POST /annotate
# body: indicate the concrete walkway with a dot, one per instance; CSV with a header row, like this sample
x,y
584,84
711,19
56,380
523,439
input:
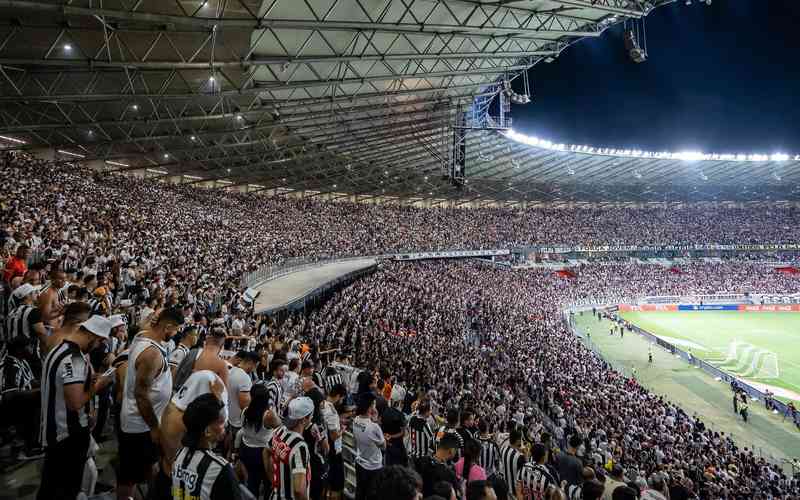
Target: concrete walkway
x,y
282,291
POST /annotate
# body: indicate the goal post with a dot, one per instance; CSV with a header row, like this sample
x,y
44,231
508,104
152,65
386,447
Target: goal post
x,y
765,365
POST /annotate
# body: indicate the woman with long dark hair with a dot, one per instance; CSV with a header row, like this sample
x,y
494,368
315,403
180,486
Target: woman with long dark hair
x,y
467,468
254,436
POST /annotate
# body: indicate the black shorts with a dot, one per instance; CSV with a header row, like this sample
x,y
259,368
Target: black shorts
x,y
335,477
137,455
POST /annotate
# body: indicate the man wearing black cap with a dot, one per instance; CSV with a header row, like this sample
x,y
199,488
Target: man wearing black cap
x,y
198,472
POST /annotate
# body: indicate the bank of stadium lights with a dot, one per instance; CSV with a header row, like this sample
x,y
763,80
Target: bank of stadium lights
x,y
635,153
117,163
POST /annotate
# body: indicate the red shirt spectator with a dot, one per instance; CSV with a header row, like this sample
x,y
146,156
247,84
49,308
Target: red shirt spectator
x,y
17,265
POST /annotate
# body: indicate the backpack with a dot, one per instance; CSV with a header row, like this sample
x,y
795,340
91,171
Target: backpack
x,y
185,369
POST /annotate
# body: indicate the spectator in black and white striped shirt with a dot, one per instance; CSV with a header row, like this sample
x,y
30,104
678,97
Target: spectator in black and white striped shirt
x,y
534,478
490,452
26,319
422,438
512,460
68,385
290,457
198,472
20,401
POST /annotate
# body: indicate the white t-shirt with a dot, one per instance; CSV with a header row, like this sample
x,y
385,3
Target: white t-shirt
x,y
238,381
369,442
196,385
289,383
332,423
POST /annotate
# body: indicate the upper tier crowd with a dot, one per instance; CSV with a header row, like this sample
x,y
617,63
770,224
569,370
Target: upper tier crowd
x,y
122,311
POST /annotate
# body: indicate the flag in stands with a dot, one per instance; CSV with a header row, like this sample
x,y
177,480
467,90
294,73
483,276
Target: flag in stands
x,y
675,270
788,270
566,273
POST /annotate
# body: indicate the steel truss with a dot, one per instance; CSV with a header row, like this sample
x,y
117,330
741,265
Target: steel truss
x,y
254,92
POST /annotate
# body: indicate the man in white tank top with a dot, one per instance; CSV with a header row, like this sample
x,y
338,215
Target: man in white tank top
x,y
148,388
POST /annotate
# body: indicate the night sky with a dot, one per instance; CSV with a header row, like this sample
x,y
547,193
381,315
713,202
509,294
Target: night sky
x,y
720,78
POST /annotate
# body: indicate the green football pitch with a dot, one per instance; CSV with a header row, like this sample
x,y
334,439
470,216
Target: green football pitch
x,y
760,347
767,434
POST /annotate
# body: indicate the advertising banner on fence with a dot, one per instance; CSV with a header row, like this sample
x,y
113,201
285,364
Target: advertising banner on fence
x,y
662,248
450,254
710,307
648,307
771,308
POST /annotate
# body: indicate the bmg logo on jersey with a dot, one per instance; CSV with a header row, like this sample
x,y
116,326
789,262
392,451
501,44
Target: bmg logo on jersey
x,y
187,477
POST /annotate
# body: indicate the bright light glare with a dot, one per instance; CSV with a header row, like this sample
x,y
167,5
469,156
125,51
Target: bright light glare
x,y
6,138
67,47
71,154
635,153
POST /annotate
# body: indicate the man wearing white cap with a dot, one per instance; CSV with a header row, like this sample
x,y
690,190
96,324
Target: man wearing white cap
x,y
25,320
289,456
68,385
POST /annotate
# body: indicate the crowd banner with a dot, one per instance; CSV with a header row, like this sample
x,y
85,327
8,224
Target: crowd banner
x,y
785,298
451,254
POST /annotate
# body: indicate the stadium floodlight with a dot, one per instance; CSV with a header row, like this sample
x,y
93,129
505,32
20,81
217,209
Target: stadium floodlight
x,y
636,153
67,47
70,153
117,164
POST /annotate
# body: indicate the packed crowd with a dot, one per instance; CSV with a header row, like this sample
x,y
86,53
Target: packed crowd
x,y
72,209
122,314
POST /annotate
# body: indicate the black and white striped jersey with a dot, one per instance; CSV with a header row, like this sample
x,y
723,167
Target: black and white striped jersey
x,y
453,431
511,461
490,455
534,480
203,475
61,295
275,392
21,320
290,456
422,437
332,377
65,365
15,375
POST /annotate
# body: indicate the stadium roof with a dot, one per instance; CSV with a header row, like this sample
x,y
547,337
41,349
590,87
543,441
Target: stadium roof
x,y
311,96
